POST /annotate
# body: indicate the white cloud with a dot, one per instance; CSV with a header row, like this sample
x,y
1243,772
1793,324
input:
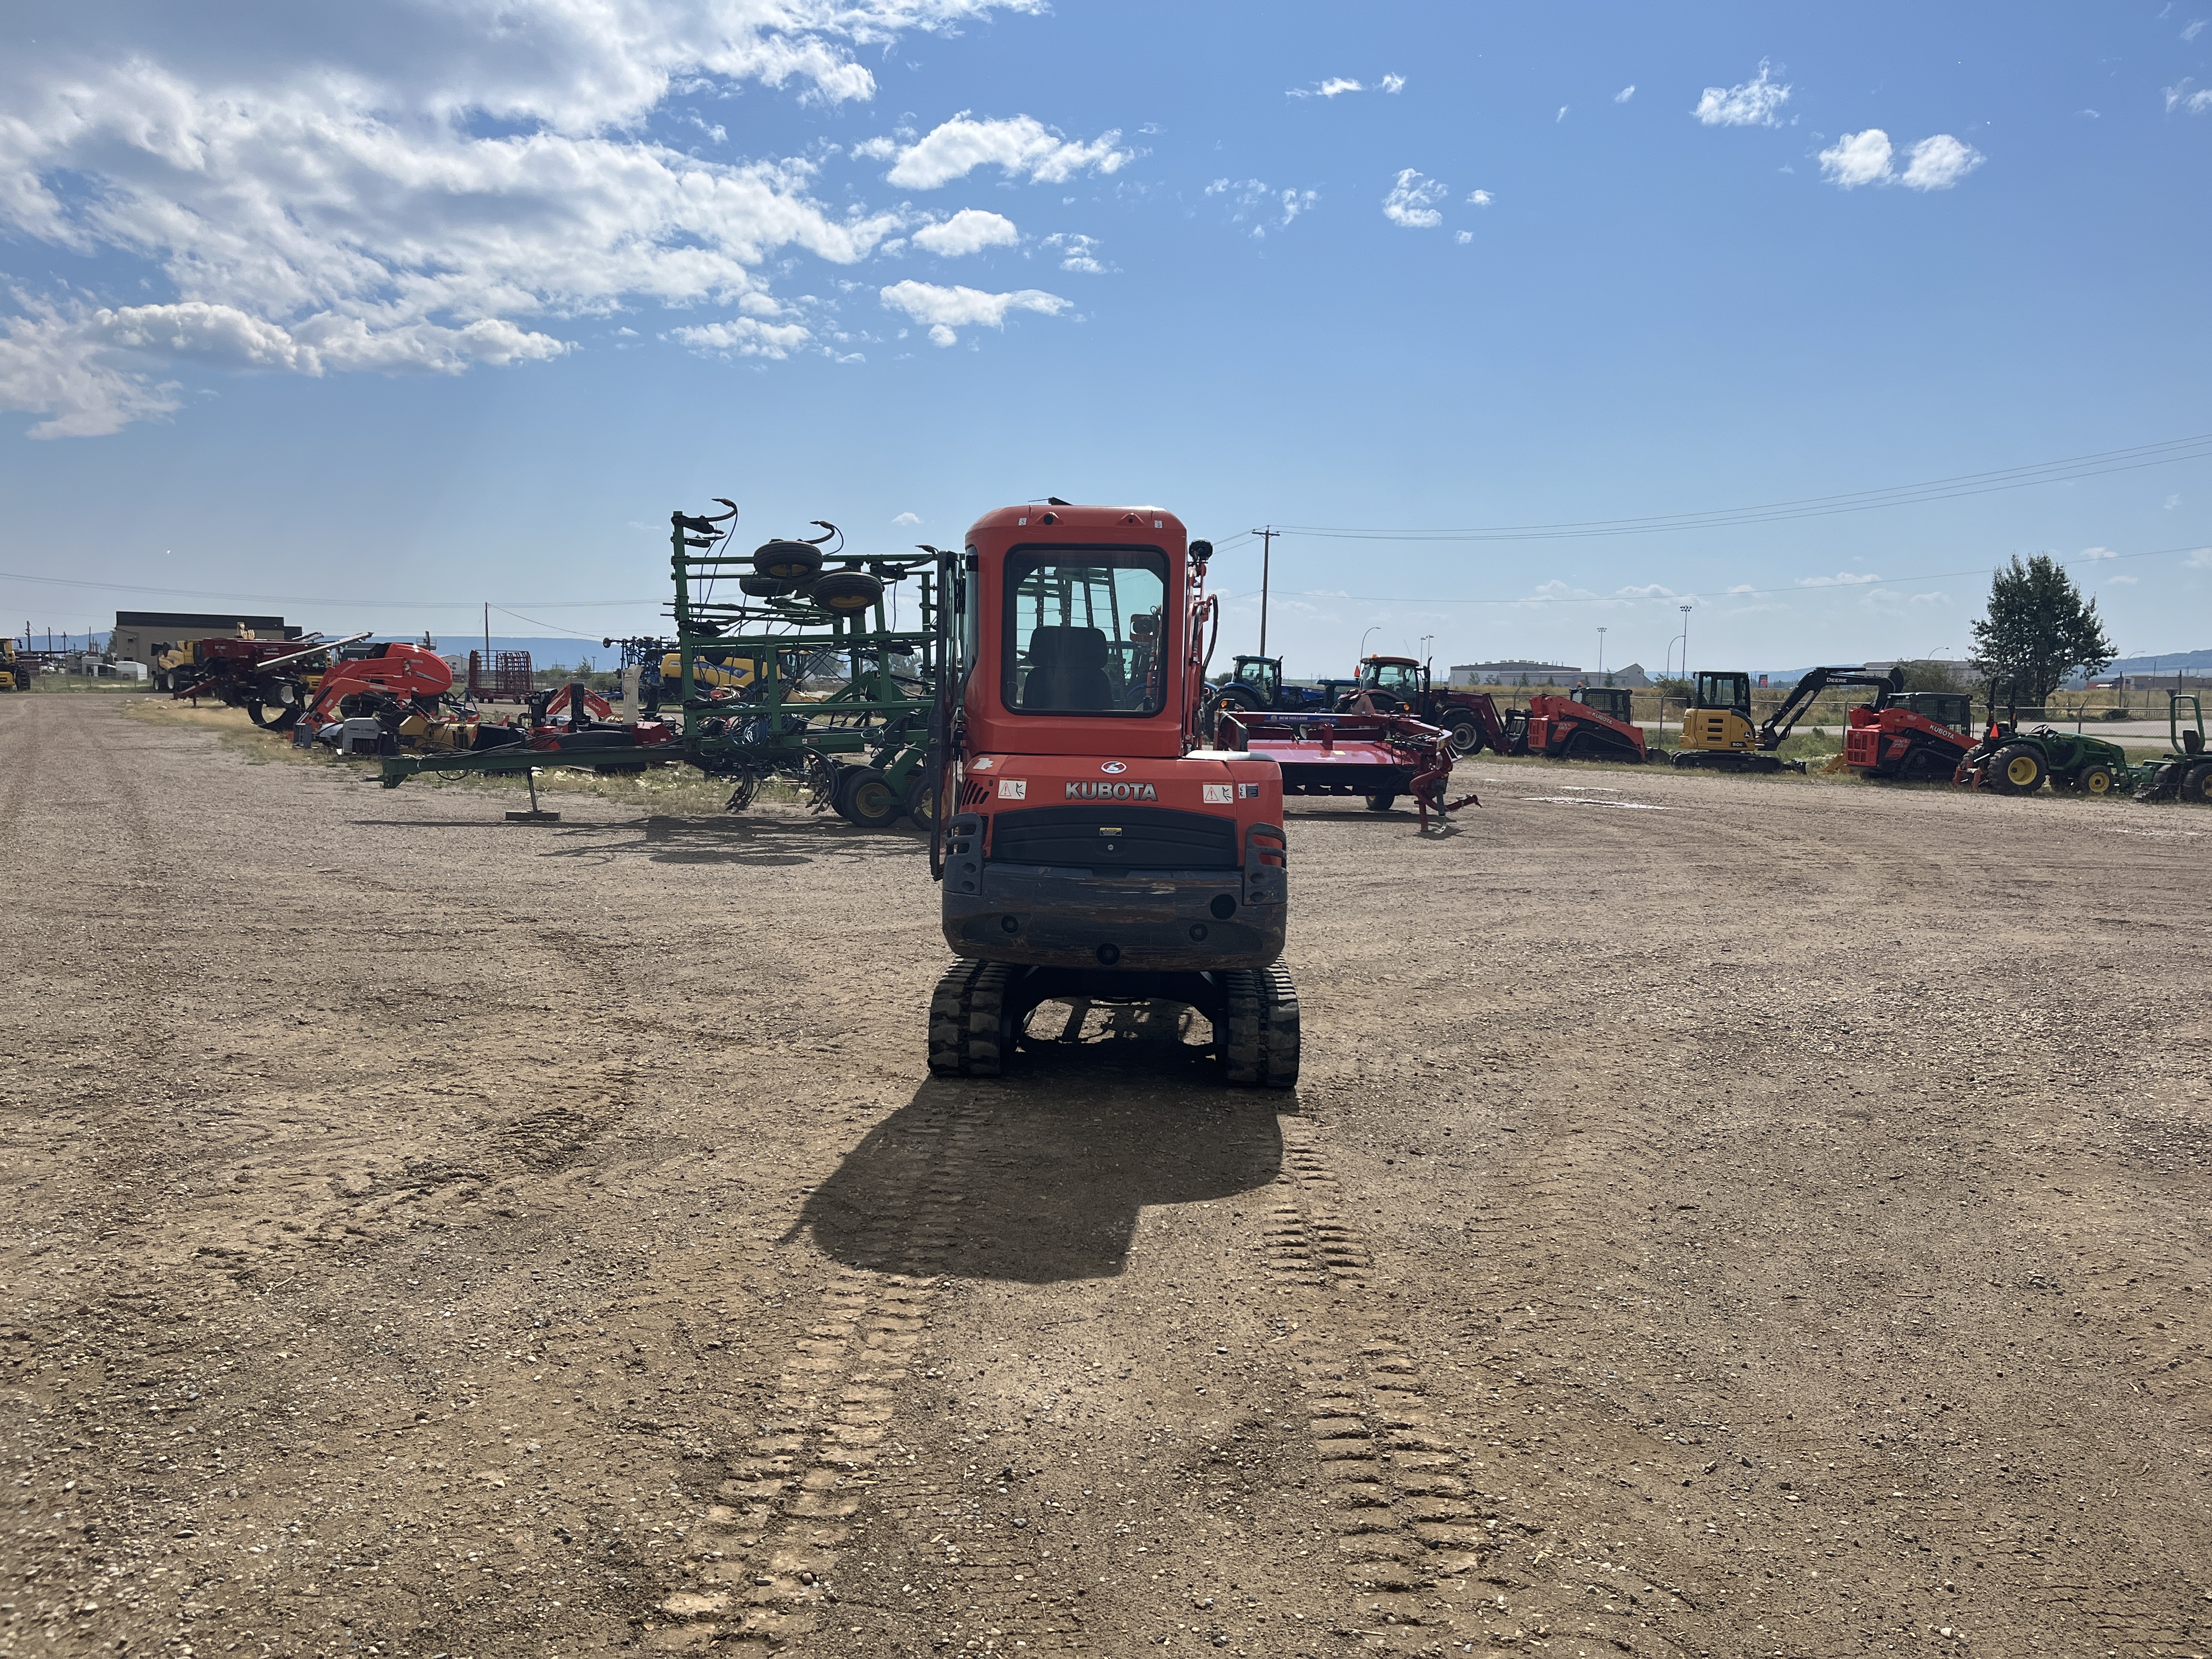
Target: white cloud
x,y
1743,587
2095,553
1395,83
1253,199
1076,253
2171,502
1413,202
969,231
405,189
1857,158
1625,93
1020,145
1562,115
1841,579
2122,582
1338,87
1940,162
745,337
1650,591
946,309
907,518
1756,103
1481,199
1463,237
2193,103
1864,158
2193,30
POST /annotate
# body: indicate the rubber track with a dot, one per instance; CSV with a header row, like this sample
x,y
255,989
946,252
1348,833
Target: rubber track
x,y
964,1019
1263,1028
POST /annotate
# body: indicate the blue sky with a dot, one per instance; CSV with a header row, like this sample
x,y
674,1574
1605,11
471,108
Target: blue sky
x,y
399,308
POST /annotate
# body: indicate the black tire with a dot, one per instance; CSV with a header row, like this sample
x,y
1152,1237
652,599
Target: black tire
x,y
971,1032
788,562
1466,737
921,798
1381,803
867,800
2197,784
846,592
286,717
758,587
2017,769
2096,779
1258,1039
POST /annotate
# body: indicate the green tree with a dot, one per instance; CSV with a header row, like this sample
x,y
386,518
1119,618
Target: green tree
x,y
2039,631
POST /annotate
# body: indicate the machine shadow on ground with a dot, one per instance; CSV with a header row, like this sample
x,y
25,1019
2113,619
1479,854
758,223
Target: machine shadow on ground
x,y
666,839
1040,1176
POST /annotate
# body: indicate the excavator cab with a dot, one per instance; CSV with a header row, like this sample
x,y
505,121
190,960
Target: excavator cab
x,y
1717,727
1091,850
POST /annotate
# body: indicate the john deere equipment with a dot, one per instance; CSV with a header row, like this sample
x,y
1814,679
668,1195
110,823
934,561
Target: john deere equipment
x,y
2016,762
2184,771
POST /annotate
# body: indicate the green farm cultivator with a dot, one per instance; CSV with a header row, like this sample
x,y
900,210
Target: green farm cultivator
x,y
795,661
2184,771
799,662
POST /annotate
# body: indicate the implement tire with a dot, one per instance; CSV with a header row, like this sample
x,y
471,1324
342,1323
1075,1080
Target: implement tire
x,y
1259,1038
1381,803
2197,784
970,1032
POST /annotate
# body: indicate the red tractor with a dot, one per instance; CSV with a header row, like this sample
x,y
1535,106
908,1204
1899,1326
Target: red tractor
x,y
1593,723
1088,849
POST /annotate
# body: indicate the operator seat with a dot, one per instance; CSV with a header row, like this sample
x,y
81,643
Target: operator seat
x,y
1067,669
2192,741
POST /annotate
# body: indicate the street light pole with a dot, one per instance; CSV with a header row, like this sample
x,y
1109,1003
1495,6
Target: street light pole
x,y
1266,558
1363,649
1601,649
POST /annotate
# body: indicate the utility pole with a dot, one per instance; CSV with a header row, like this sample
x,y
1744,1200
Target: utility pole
x,y
1267,557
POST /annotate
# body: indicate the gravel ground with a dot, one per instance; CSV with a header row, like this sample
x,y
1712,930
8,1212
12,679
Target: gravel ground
x,y
1721,1216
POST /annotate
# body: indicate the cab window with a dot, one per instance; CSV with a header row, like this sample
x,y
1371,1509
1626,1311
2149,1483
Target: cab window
x,y
1085,631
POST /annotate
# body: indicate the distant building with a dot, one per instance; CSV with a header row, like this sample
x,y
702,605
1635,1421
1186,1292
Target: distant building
x,y
1513,673
142,636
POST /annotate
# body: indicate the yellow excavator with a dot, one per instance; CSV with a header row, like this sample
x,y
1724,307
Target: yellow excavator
x,y
16,674
1718,732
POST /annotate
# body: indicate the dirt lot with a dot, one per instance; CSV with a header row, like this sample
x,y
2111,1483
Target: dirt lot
x,y
1721,1217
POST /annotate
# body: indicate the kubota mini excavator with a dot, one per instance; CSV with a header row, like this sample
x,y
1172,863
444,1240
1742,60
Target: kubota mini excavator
x,y
1087,846
1716,728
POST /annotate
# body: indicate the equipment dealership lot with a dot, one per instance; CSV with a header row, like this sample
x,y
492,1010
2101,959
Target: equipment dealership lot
x,y
1772,1221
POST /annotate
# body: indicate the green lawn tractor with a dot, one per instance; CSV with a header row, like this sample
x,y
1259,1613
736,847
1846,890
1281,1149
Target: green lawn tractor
x,y
2184,771
2016,762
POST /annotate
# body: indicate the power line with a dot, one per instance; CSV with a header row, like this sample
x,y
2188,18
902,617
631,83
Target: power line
x,y
2166,453
1669,597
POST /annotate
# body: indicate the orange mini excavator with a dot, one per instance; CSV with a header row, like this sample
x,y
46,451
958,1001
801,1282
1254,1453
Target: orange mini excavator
x,y
1090,848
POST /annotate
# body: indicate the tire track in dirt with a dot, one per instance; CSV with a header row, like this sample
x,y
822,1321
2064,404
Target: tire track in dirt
x,y
763,1564
1408,1516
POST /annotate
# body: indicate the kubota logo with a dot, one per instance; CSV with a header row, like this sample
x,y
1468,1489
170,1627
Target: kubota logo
x,y
1114,766
1111,791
